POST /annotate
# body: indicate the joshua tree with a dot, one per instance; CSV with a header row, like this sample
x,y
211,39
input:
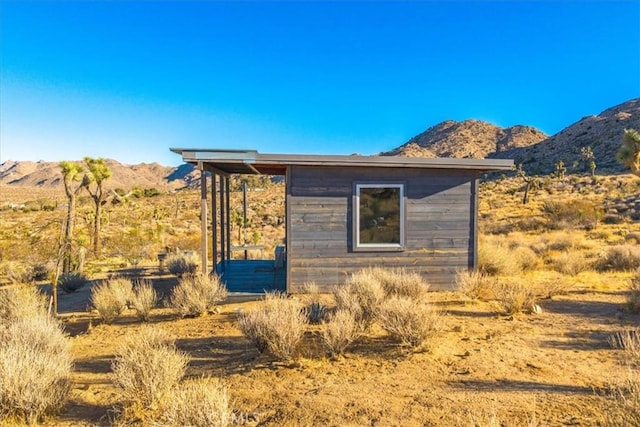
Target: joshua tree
x,y
98,172
530,182
629,153
587,157
71,173
560,170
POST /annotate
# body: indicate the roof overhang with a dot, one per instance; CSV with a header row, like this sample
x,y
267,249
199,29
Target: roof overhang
x,y
252,162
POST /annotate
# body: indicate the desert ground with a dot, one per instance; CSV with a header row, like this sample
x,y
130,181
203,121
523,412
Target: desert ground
x,y
577,248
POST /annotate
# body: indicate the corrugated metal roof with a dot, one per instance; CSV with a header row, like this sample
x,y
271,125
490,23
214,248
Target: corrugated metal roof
x,y
252,162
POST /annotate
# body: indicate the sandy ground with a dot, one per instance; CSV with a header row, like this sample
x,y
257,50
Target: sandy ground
x,y
554,368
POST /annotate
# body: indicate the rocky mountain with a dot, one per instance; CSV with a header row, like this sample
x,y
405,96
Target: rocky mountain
x,y
143,175
537,152
467,139
602,132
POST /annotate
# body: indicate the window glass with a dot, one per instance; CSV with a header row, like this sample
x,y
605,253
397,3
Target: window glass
x,y
380,215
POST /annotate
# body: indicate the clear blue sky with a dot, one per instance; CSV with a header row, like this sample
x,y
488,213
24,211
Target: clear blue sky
x,y
127,80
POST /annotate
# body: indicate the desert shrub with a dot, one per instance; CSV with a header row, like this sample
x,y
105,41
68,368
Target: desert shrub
x,y
35,369
41,271
496,259
19,302
410,321
362,294
399,282
629,341
474,284
143,299
198,403
575,212
316,311
276,325
198,294
632,238
147,367
633,297
16,272
515,297
570,263
621,258
71,282
526,258
181,264
111,298
623,408
340,331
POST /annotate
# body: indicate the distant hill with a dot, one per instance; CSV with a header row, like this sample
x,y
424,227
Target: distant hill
x,y
526,145
467,139
143,175
603,133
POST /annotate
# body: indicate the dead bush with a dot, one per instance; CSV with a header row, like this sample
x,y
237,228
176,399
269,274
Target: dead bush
x,y
475,284
19,302
570,263
621,258
110,298
35,369
497,259
198,403
276,325
411,321
633,297
361,294
16,272
143,299
526,258
147,367
399,282
573,213
197,294
340,331
181,264
514,297
629,341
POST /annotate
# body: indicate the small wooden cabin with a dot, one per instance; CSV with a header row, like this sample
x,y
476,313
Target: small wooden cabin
x,y
344,213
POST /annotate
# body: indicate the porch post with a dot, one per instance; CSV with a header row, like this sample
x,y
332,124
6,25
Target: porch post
x,y
228,203
214,223
203,217
223,240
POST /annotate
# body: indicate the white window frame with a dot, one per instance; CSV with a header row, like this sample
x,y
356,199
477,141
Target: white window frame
x,y
362,247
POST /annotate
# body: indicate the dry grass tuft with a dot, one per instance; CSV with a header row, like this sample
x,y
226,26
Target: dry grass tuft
x,y
629,341
475,284
143,299
341,330
570,263
198,294
35,369
362,294
411,321
621,258
21,301
198,403
110,298
147,367
400,282
496,259
182,265
514,297
277,325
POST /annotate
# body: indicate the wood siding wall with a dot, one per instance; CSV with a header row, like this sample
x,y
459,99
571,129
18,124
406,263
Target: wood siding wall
x,y
440,224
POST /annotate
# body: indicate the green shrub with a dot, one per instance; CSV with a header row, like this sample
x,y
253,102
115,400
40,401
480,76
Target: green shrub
x,y
276,325
71,282
198,294
182,265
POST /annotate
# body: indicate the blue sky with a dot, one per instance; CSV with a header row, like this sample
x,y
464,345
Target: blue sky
x,y
127,80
